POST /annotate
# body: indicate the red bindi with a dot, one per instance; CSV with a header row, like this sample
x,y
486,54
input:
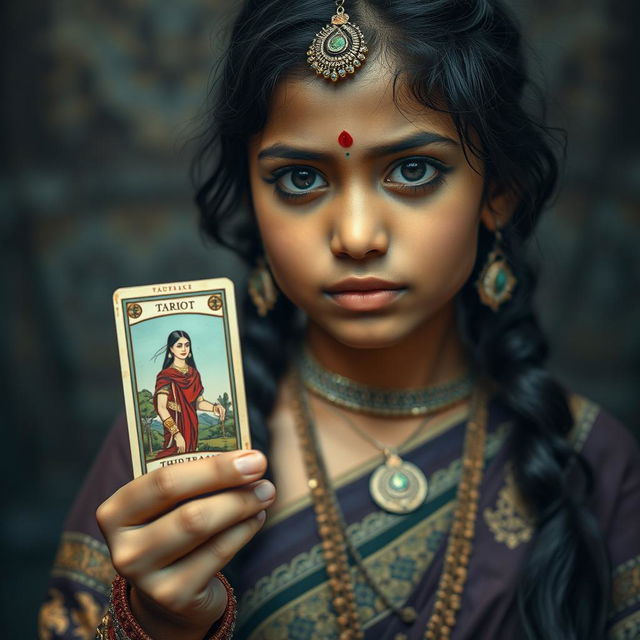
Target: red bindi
x,y
345,139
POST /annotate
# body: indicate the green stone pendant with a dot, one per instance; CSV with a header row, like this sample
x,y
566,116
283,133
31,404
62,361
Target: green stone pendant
x,y
338,49
399,481
398,486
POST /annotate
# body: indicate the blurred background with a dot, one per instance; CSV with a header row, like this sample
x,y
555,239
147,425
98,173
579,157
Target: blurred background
x,y
99,102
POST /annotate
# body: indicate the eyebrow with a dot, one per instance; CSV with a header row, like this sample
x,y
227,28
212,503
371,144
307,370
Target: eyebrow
x,y
421,139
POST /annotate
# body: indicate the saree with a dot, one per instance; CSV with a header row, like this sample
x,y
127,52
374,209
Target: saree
x,y
280,578
183,391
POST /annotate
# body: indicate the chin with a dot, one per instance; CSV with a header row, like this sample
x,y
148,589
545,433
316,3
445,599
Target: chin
x,y
370,333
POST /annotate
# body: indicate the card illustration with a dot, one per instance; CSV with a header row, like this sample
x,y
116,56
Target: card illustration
x,y
182,372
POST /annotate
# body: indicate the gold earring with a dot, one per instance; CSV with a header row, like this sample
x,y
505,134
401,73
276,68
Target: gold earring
x,y
262,288
497,281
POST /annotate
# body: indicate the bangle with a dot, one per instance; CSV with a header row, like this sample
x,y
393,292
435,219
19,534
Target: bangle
x,y
170,424
118,622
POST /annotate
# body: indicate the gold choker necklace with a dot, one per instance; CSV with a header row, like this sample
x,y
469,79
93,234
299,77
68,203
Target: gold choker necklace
x,y
349,394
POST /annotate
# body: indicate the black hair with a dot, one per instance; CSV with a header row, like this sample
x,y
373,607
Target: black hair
x,y
463,57
172,338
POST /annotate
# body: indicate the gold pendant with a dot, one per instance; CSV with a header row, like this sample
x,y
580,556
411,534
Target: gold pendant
x,y
398,486
338,50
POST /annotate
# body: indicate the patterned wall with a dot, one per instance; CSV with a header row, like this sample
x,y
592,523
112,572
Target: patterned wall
x,y
94,195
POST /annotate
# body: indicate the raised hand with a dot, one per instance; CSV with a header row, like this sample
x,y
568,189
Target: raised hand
x,y
169,534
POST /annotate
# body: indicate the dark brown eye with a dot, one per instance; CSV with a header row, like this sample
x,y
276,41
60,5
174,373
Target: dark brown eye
x,y
299,181
302,178
413,170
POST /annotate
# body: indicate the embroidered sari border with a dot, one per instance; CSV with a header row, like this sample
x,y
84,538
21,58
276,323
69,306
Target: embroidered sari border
x,y
625,591
626,629
444,514
412,520
310,585
85,560
585,413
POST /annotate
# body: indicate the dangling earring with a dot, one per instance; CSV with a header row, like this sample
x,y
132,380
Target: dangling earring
x,y
262,289
496,282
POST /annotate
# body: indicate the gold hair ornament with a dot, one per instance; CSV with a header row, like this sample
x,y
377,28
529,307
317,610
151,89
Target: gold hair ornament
x,y
339,49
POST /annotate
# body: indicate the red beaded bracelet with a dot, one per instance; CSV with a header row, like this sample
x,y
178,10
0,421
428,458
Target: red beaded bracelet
x,y
119,623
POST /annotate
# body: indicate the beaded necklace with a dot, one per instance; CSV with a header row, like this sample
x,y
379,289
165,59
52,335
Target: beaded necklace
x,y
336,544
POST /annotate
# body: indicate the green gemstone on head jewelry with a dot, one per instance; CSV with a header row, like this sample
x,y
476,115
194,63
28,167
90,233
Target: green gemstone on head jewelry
x,y
338,49
338,43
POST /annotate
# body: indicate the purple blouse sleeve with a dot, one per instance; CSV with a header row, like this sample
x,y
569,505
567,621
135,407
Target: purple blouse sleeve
x,y
615,457
82,572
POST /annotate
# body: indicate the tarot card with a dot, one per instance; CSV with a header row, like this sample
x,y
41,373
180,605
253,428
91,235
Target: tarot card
x,y
181,371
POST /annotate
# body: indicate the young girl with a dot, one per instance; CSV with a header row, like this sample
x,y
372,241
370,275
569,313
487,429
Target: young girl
x,y
433,480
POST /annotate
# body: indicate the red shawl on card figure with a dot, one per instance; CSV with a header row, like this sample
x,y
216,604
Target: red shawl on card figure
x,y
184,389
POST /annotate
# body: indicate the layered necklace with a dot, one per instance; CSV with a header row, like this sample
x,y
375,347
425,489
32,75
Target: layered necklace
x,y
337,546
397,486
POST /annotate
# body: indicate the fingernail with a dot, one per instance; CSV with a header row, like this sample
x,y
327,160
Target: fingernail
x,y
264,491
261,516
249,463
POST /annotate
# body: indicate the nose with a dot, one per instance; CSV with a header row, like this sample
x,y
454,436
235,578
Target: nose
x,y
358,230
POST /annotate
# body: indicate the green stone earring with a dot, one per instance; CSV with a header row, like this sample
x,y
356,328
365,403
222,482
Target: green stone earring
x,y
339,49
496,282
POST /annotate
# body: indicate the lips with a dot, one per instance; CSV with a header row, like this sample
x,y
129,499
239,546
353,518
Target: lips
x,y
365,294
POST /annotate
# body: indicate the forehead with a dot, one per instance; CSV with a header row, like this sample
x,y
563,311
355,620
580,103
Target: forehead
x,y
364,105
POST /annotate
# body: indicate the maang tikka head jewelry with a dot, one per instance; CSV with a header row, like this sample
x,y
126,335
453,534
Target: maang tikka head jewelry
x,y
339,49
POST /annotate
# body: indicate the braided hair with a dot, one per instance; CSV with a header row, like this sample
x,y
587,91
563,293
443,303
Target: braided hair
x,y
462,57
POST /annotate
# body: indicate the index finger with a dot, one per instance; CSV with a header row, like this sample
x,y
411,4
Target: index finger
x,y
155,493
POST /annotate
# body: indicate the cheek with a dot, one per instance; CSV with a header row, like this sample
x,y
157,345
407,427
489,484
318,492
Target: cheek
x,y
444,250
289,251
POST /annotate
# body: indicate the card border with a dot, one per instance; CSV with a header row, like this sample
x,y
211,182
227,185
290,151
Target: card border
x,y
124,295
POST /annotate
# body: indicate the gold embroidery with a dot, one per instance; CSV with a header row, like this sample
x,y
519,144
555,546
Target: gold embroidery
x,y
85,560
509,521
397,567
87,617
52,617
627,629
584,415
626,586
174,406
103,630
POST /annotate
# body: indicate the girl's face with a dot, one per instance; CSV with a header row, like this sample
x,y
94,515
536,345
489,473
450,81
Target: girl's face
x,y
371,240
180,348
